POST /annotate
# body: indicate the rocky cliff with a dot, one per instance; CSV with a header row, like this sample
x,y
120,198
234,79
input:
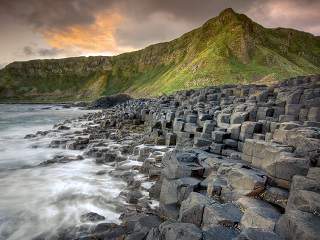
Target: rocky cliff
x,y
229,48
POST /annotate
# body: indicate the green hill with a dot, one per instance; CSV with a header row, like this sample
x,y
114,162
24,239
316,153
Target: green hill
x,y
229,48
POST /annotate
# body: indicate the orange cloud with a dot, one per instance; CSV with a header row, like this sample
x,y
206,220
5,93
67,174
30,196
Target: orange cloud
x,y
95,37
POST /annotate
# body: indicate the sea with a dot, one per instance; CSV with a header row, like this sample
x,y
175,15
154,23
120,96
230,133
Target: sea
x,y
37,200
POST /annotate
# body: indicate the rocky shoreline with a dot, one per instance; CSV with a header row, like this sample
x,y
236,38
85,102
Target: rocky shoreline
x,y
229,162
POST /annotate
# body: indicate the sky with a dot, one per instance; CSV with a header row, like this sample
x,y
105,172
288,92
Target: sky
x,y
37,29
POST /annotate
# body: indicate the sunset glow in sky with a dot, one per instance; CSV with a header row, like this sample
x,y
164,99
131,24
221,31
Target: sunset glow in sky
x,y
32,29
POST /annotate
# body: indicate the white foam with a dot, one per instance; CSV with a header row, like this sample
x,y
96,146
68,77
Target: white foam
x,y
42,199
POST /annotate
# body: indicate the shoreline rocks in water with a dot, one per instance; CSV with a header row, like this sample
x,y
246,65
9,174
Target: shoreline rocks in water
x,y
110,101
228,162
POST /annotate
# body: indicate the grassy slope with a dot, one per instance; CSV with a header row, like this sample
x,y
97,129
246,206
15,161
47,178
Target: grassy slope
x,y
227,49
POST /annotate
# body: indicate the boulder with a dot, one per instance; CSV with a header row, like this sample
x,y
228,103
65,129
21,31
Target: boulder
x,y
298,225
171,139
176,231
154,234
227,214
276,196
91,217
314,114
257,234
219,136
133,196
192,128
239,117
305,193
176,190
191,118
202,143
220,232
146,223
208,127
178,125
169,211
277,160
245,181
306,141
247,202
179,164
234,130
223,120
248,129
260,217
293,109
191,209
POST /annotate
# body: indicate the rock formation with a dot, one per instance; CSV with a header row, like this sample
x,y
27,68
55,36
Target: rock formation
x,y
229,162
244,161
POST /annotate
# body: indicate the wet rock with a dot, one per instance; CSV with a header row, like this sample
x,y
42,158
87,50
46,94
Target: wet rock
x,y
110,101
63,127
154,191
28,136
58,143
91,217
101,172
141,225
110,156
106,231
176,231
61,159
133,197
169,211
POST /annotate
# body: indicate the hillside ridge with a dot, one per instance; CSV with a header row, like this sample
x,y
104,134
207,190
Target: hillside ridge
x,y
229,48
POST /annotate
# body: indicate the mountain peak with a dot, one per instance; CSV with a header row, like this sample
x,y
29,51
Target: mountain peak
x,y
227,11
228,15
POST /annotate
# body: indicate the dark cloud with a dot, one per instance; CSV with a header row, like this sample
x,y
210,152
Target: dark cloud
x,y
56,14
142,21
42,52
62,13
49,52
28,51
300,14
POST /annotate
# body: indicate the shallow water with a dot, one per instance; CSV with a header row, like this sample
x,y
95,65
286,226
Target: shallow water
x,y
34,199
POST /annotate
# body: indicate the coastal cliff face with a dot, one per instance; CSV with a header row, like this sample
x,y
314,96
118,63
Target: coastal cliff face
x,y
229,48
54,78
